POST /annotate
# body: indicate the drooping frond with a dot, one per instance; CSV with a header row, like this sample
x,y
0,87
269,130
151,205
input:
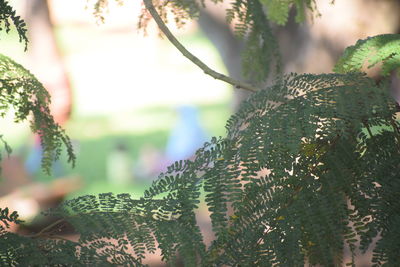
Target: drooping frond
x,y
308,167
260,51
278,10
22,92
182,11
7,13
383,49
100,7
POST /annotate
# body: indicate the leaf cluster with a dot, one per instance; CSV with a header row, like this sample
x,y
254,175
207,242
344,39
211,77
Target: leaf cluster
x,y
22,93
308,168
278,10
7,13
26,96
381,49
302,174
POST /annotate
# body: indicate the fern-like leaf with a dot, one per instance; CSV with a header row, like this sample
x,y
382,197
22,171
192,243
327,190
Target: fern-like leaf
x,y
383,49
20,90
7,13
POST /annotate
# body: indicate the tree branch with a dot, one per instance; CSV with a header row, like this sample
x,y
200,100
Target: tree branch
x,y
207,70
42,232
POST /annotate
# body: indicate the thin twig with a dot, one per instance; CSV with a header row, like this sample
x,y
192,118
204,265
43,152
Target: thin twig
x,y
58,237
368,129
42,232
207,70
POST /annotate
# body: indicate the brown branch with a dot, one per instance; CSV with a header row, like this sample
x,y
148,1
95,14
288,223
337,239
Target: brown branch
x,y
207,70
42,232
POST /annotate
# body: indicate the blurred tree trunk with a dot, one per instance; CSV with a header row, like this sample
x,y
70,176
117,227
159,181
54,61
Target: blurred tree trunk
x,y
229,47
46,58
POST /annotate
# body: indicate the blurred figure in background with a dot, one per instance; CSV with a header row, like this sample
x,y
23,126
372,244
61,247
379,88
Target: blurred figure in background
x,y
150,164
187,135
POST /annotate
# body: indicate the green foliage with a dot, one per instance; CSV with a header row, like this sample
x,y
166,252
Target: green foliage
x,y
17,250
383,49
7,13
309,167
299,176
23,93
261,46
278,10
6,218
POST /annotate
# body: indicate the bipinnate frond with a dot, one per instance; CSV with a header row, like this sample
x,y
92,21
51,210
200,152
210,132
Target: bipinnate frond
x,y
308,167
26,96
7,14
312,135
384,49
